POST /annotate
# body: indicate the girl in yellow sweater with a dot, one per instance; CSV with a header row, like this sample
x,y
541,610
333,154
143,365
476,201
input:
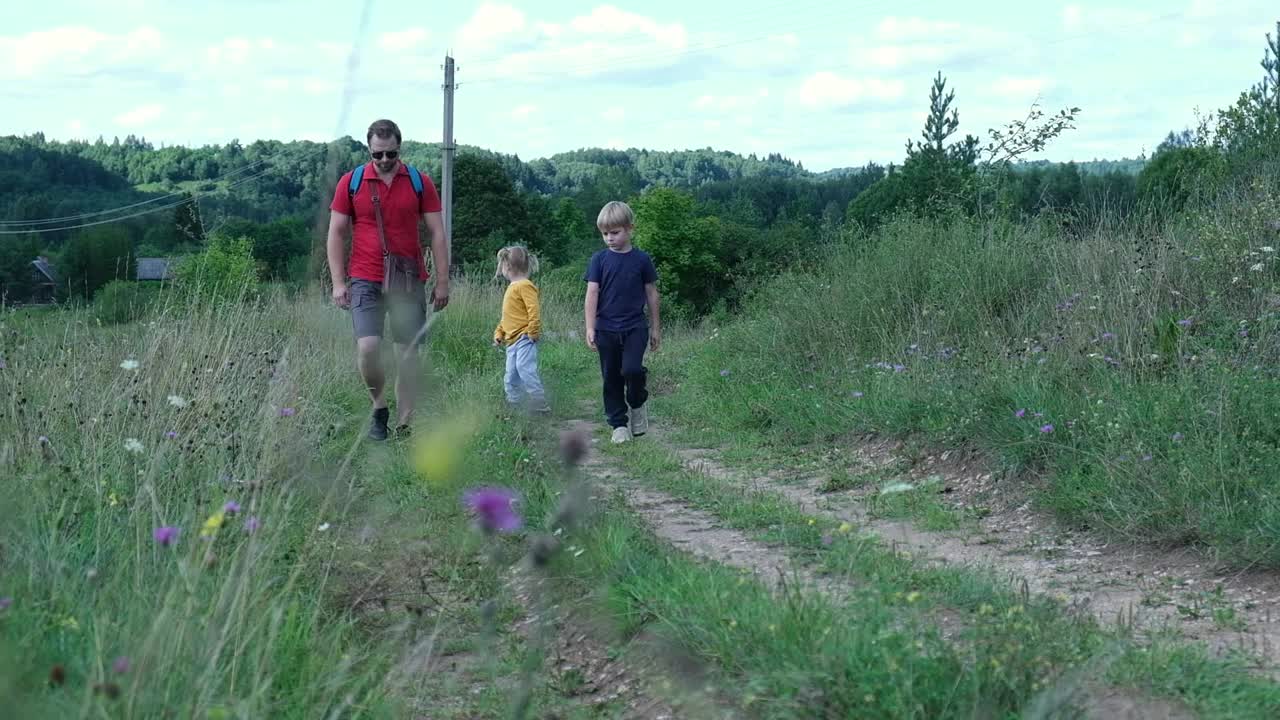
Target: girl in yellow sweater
x,y
520,328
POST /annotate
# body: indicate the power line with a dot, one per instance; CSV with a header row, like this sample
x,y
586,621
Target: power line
x,y
122,208
141,213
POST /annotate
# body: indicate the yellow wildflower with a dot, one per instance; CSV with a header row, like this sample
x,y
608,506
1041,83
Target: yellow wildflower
x,y
213,524
845,527
437,455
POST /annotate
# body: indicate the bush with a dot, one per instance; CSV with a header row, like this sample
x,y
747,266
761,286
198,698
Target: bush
x,y
226,270
122,301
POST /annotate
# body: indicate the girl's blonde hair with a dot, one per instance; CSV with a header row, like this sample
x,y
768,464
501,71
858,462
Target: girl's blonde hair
x,y
518,258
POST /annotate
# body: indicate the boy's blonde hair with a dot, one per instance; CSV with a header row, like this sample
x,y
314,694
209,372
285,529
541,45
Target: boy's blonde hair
x,y
615,214
518,258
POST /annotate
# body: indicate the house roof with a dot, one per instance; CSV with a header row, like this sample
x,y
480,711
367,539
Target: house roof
x,y
155,269
42,264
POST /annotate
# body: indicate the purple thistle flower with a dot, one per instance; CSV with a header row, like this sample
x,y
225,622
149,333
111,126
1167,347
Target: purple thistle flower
x,y
493,508
1244,333
166,535
827,539
5,603
171,435
724,373
252,524
121,665
1185,322
857,393
1046,429
1176,437
2,364
899,368
1108,336
287,412
231,507
1020,413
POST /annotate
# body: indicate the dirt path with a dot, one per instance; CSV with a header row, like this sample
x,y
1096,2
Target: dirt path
x,y
1118,583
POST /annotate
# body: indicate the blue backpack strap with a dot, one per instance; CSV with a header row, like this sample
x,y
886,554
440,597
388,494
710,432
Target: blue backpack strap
x,y
356,176
416,178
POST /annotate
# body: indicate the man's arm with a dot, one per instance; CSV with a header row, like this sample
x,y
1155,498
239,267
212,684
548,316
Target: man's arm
x,y
593,299
655,322
440,253
335,246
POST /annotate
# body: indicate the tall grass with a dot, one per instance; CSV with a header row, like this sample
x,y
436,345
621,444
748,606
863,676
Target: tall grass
x,y
1133,363
231,402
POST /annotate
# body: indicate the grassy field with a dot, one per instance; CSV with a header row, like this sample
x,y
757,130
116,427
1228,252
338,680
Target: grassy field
x,y
1127,372
200,530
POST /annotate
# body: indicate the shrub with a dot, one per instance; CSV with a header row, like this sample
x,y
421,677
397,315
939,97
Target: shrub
x,y
226,270
122,301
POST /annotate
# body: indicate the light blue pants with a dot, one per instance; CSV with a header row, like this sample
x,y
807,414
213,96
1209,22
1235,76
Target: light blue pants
x,y
522,374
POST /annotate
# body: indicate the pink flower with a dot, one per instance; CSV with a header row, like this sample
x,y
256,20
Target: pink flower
x,y
252,524
287,412
1020,413
166,535
121,665
231,507
1046,429
494,508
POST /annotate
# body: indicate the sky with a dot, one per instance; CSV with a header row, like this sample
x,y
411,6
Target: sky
x,y
829,83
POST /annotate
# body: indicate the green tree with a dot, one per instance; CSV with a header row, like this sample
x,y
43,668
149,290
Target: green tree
x,y
1250,129
684,247
487,211
94,257
16,255
1177,172
187,223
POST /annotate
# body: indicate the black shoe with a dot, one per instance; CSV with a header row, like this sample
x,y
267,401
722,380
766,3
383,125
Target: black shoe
x,y
404,431
378,428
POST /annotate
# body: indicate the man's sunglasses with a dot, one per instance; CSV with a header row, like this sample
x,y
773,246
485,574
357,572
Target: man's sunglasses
x,y
388,154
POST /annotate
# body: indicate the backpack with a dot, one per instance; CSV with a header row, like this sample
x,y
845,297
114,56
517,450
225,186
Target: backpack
x,y
357,175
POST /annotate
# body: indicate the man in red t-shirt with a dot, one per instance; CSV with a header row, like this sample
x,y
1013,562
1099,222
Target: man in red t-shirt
x,y
401,210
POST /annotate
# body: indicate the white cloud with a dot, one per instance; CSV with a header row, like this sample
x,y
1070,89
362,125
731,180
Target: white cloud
x,y
1019,87
75,126
614,114
406,39
829,90
57,51
731,103
141,115
522,112
488,25
1076,19
609,20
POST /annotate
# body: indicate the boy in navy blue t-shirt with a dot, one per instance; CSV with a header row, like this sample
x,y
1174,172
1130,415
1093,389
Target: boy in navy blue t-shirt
x,y
621,281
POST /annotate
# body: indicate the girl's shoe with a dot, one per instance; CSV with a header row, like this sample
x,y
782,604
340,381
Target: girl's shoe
x,y
621,434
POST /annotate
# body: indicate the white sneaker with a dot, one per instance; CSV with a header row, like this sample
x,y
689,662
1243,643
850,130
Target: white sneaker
x,y
639,421
621,435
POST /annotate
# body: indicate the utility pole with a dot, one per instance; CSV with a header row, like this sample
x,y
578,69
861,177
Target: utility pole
x,y
447,148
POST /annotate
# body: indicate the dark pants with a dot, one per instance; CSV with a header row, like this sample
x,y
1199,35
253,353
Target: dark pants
x,y
622,367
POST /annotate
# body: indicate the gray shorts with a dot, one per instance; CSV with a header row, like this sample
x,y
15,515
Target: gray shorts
x,y
369,308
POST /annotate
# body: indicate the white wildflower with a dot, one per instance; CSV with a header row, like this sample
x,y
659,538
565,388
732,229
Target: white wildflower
x,y
177,401
133,445
898,487
130,364
1256,268
323,527
1267,249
